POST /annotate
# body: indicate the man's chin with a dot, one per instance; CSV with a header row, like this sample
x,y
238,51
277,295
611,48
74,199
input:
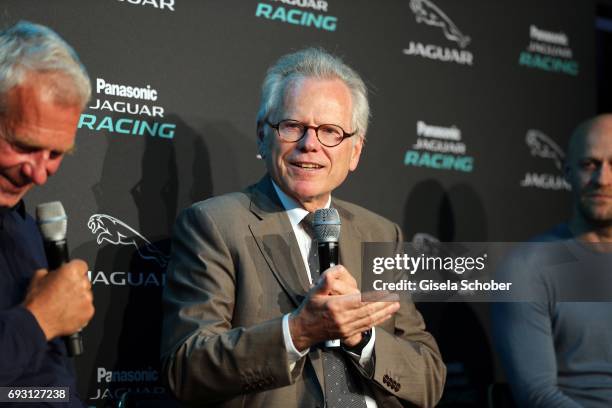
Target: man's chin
x,y
304,190
310,199
597,217
8,200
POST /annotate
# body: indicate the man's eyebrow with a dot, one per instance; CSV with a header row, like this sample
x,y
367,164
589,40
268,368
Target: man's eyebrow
x,y
23,141
589,158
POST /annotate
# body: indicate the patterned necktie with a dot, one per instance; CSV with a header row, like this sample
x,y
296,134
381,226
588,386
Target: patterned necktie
x,y
341,388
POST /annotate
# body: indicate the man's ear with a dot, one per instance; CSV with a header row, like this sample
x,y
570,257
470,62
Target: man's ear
x,y
567,170
260,133
356,153
261,137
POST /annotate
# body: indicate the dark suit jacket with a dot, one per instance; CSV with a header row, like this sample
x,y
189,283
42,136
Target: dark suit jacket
x,y
236,269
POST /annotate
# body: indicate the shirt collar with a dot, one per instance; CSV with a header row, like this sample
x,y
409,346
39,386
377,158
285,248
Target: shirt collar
x,y
295,212
18,208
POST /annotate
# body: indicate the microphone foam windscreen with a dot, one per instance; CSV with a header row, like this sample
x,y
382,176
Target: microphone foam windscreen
x,y
52,221
326,225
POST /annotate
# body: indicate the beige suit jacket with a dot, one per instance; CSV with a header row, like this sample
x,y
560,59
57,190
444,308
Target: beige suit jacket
x,y
236,269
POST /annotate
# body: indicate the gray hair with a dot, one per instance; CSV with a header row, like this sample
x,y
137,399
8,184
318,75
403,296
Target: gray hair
x,y
27,47
313,63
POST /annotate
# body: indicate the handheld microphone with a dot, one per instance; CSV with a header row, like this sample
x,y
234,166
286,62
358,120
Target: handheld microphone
x,y
53,224
326,226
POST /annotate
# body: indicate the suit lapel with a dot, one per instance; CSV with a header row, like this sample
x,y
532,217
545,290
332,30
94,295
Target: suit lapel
x,y
350,243
278,245
276,241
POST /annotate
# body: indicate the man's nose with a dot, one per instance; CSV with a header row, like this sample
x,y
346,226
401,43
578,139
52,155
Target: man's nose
x,y
38,168
603,177
310,141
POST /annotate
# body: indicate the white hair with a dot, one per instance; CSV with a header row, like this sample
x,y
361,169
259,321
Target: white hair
x,y
32,48
313,63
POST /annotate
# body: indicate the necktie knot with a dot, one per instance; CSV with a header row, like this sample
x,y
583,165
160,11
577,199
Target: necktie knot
x,y
308,224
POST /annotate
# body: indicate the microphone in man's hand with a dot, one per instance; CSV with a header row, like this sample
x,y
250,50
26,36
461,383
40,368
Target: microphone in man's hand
x,y
53,223
326,225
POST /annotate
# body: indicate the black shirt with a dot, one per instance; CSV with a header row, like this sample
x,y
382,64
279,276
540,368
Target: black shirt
x,y
26,358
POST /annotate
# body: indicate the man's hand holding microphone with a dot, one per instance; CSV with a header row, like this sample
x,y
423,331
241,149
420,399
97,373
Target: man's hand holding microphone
x,y
60,298
333,309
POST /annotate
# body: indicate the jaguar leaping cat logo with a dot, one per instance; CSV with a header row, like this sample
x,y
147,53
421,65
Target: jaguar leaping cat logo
x,y
427,12
543,146
116,232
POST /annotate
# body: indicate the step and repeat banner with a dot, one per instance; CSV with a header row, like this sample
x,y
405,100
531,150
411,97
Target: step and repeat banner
x,y
473,103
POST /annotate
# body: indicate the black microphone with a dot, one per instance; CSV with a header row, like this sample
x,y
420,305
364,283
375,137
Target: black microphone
x,y
326,226
53,223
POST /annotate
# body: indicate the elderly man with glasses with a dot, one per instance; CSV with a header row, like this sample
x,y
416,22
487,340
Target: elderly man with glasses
x,y
246,315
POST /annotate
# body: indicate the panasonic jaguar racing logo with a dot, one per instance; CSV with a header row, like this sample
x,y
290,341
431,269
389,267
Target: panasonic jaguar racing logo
x,y
542,146
127,110
425,11
549,51
158,4
439,147
113,384
110,229
305,13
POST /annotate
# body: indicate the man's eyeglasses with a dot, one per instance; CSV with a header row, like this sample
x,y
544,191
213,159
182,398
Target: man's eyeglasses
x,y
292,131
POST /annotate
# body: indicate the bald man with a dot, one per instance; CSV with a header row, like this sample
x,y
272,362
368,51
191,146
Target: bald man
x,y
555,353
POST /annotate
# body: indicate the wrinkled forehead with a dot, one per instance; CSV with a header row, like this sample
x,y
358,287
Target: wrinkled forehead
x,y
289,87
292,84
329,99
33,117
